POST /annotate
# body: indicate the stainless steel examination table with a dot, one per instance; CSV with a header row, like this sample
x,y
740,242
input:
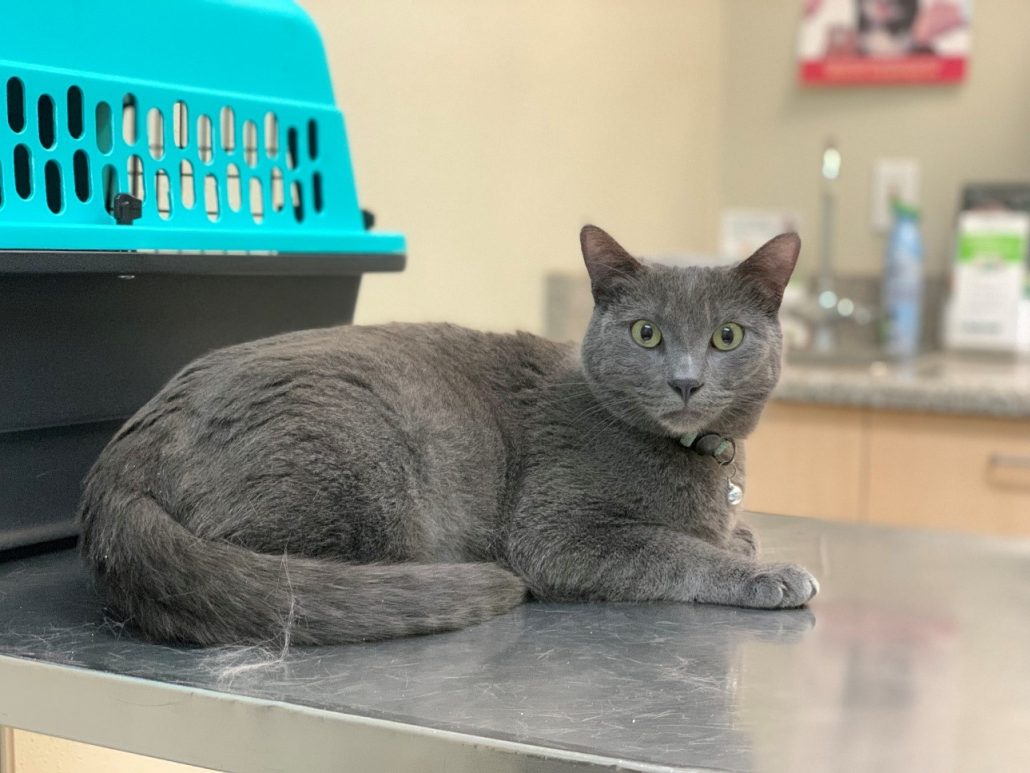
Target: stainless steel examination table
x,y
915,656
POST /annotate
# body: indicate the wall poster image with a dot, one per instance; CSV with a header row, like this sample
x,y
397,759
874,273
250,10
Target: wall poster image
x,y
884,41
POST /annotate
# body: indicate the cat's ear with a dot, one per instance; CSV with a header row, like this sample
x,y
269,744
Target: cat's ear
x,y
769,269
607,263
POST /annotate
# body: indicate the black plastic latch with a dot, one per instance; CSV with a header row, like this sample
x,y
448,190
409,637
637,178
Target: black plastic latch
x,y
127,209
369,218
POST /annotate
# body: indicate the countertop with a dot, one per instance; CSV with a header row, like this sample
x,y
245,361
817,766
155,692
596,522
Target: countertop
x,y
913,657
936,383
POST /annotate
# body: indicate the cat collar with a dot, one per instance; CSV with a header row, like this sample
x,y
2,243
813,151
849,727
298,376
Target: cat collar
x,y
720,448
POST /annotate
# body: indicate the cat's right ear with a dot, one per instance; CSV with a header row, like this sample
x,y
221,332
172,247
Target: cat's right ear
x,y
607,263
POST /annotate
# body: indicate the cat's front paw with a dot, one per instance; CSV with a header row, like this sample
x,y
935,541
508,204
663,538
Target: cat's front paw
x,y
779,586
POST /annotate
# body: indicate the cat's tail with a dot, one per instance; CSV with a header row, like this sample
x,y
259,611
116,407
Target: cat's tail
x,y
171,585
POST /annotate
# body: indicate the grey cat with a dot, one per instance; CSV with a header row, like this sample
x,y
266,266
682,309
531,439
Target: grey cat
x,y
358,483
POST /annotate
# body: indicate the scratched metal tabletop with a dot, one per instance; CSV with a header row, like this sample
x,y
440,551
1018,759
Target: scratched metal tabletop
x,y
913,657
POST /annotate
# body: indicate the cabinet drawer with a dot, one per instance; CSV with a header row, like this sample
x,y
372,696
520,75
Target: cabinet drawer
x,y
950,472
806,460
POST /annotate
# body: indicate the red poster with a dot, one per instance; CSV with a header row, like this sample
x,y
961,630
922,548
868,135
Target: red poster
x,y
884,41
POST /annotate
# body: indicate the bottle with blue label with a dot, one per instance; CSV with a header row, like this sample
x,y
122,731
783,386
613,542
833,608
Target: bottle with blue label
x,y
903,284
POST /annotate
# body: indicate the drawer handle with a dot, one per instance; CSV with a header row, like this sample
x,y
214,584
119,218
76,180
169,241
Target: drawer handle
x,y
1017,461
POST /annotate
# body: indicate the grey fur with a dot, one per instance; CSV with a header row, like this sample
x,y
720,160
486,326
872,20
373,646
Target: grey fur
x,y
357,483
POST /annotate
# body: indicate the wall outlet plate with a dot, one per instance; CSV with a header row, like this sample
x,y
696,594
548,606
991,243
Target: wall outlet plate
x,y
892,178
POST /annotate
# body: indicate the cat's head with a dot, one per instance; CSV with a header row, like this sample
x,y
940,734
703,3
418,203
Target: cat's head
x,y
678,350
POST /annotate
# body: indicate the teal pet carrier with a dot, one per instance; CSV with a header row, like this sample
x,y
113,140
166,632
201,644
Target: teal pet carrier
x,y
174,177
216,118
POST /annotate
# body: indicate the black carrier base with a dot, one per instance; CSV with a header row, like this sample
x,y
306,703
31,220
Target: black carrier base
x,y
87,338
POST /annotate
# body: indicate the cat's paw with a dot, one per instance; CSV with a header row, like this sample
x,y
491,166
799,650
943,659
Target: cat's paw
x,y
743,541
779,586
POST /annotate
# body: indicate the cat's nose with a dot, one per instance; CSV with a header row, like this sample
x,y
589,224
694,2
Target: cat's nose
x,y
685,387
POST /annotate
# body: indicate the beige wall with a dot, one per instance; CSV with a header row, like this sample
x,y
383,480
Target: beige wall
x,y
489,132
774,129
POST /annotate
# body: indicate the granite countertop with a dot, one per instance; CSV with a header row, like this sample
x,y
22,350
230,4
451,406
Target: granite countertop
x,y
937,383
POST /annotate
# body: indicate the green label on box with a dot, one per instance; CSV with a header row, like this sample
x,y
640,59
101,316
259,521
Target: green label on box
x,y
1002,247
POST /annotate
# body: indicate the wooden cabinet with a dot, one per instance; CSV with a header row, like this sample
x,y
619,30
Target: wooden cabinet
x,y
952,472
806,460
961,473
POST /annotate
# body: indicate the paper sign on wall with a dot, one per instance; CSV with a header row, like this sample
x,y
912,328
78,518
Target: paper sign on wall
x,y
884,41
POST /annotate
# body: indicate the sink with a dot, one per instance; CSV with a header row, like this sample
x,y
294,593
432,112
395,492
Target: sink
x,y
854,358
930,365
970,365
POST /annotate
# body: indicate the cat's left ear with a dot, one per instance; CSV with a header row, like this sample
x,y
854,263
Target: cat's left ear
x,y
608,264
769,269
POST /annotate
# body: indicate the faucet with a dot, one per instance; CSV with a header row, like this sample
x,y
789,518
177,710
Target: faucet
x,y
823,315
825,338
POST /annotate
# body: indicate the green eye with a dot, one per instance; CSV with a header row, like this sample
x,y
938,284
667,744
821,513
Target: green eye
x,y
728,337
646,333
